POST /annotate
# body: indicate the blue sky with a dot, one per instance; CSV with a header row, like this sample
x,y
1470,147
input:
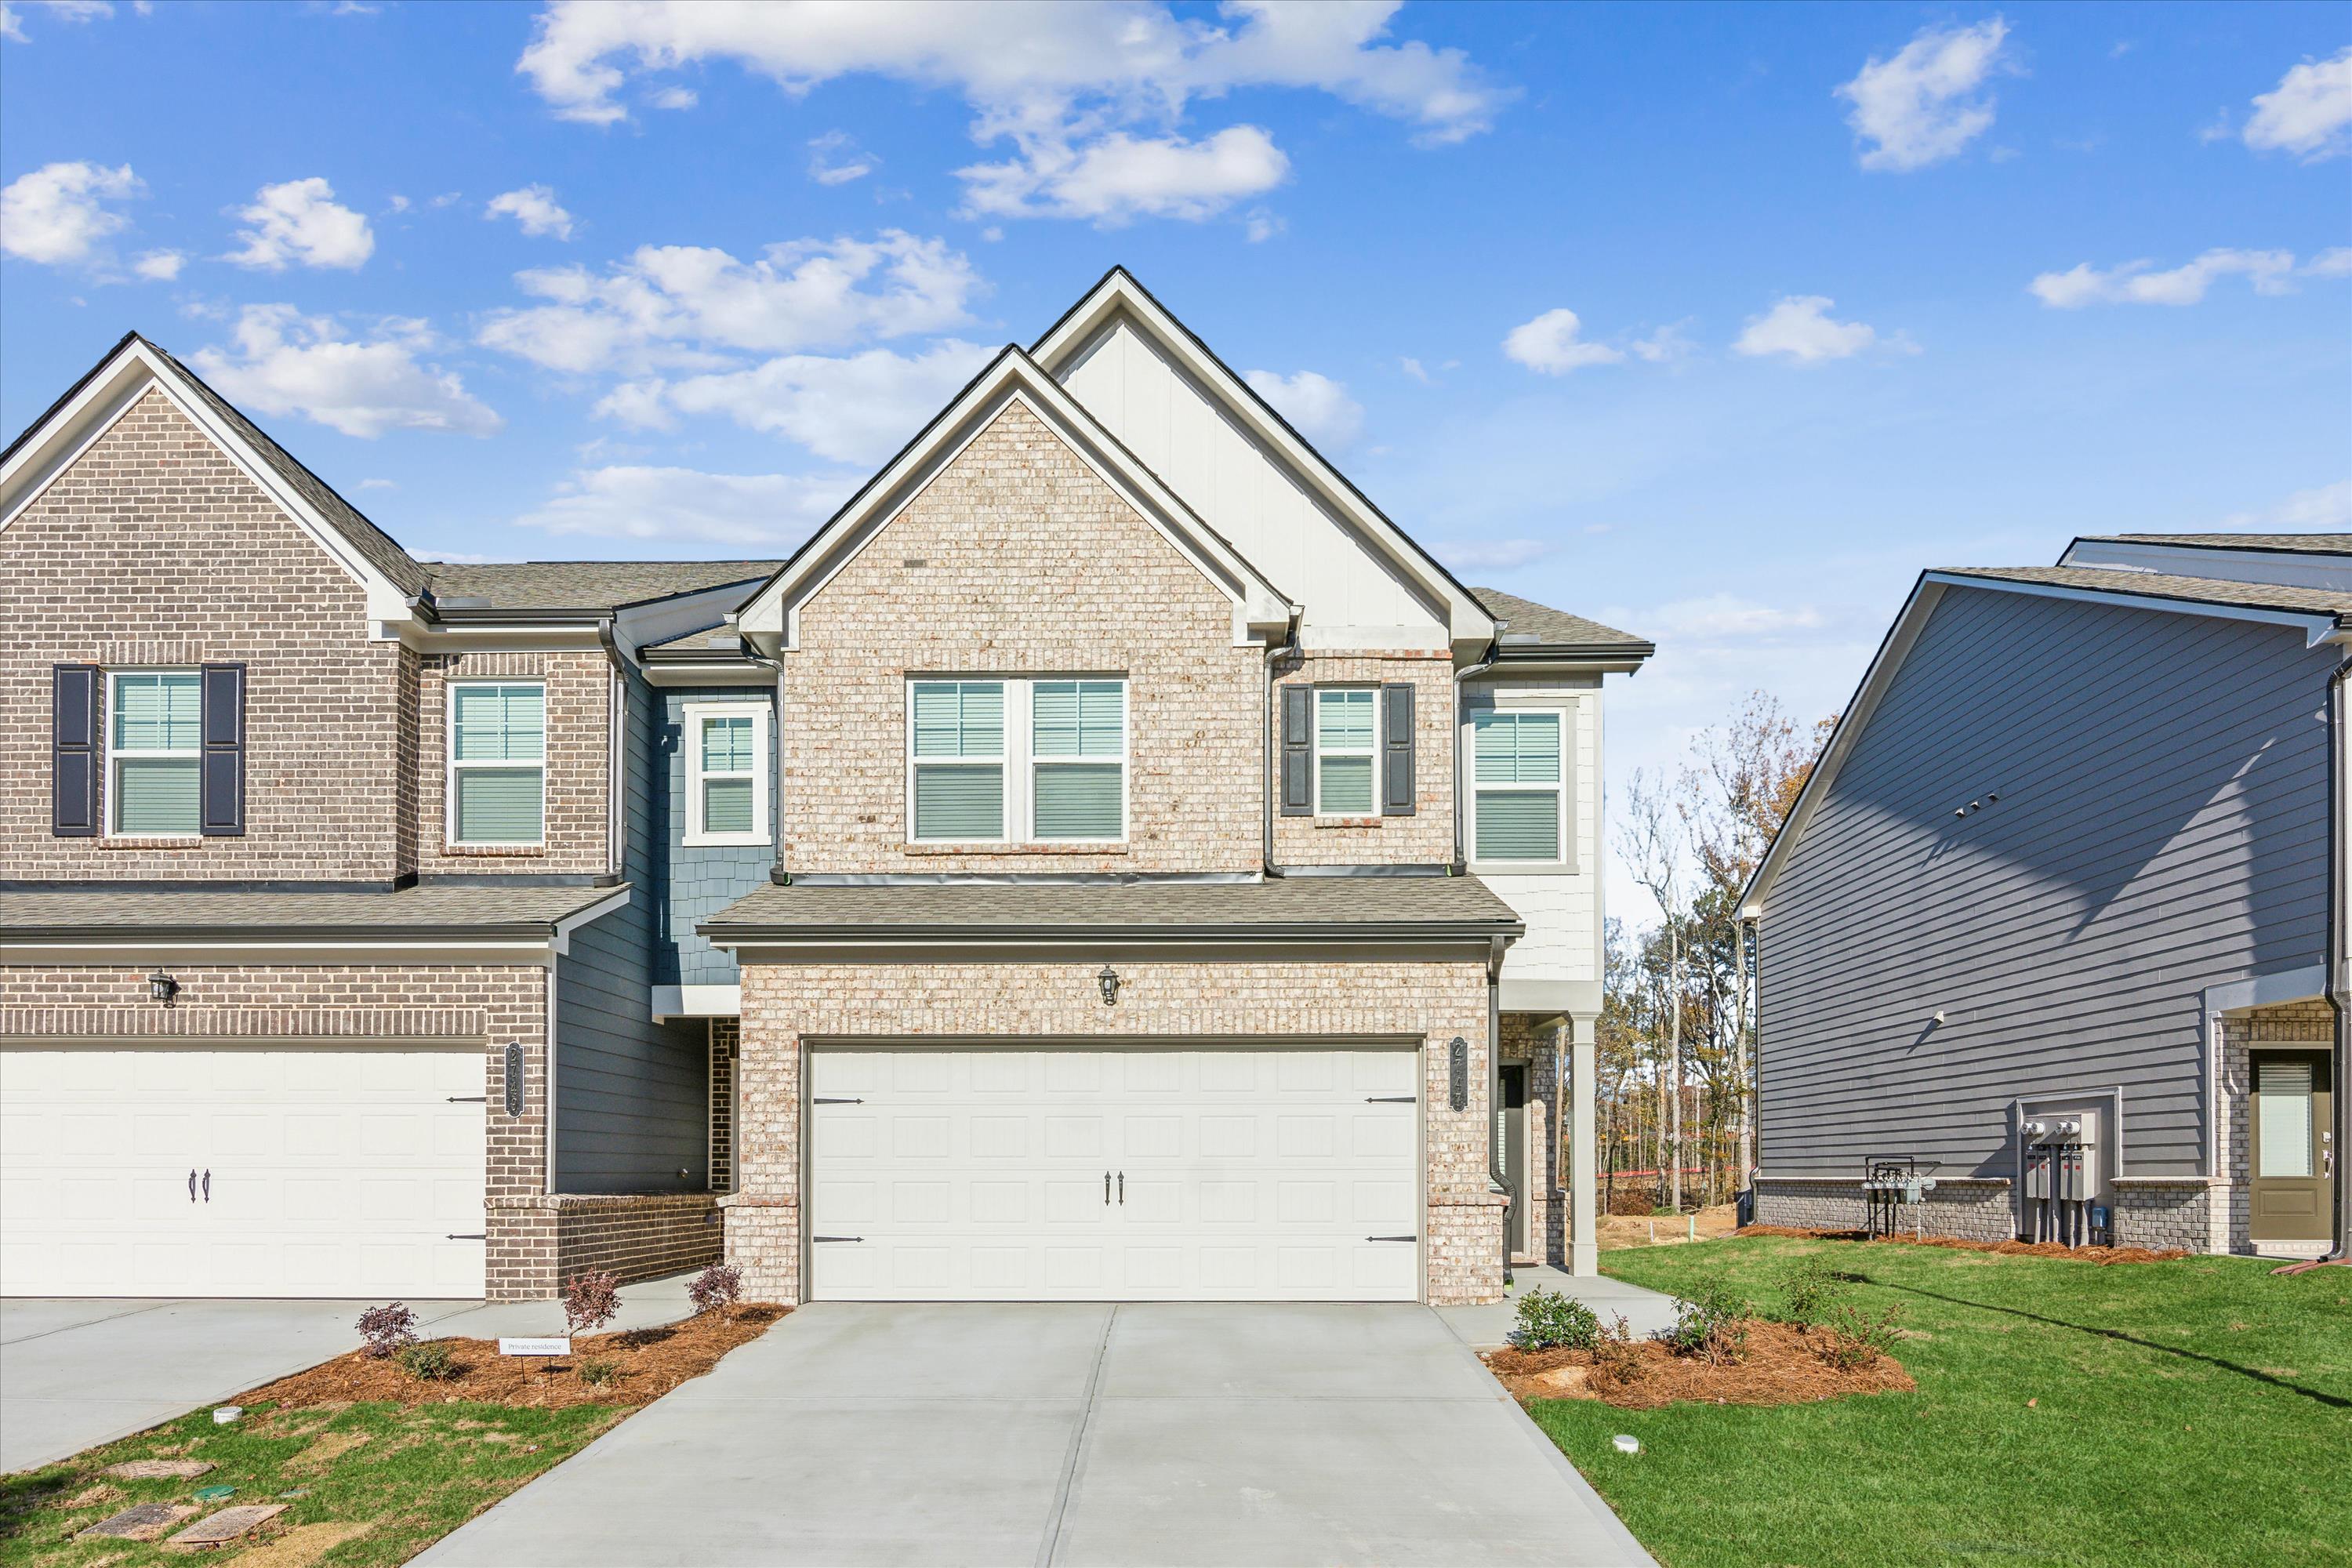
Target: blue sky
x,y
1849,290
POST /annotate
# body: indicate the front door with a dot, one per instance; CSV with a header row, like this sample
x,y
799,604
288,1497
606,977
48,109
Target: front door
x,y
1512,1128
2294,1152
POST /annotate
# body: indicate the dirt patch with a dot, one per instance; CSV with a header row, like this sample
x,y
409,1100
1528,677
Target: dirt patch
x,y
300,1546
1785,1365
643,1365
1665,1230
1961,1244
323,1452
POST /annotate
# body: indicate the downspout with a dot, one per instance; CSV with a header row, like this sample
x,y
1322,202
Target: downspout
x,y
1494,1173
616,726
1269,779
1486,662
2339,938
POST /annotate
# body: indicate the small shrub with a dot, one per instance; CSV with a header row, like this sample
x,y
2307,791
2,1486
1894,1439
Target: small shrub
x,y
387,1329
1811,1289
1547,1319
599,1370
1613,1357
1857,1340
720,1284
432,1361
589,1301
1712,1327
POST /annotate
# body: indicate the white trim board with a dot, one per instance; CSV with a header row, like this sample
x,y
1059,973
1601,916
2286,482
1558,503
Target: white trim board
x,y
696,1002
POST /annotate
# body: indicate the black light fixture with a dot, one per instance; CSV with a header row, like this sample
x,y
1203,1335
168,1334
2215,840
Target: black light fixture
x,y
1108,981
163,988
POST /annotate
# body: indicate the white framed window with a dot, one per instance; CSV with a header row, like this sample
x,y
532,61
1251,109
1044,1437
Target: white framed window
x,y
726,773
497,763
154,752
1006,760
1518,798
1347,751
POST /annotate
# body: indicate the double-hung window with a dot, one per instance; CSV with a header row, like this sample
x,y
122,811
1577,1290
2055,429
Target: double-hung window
x,y
1017,761
156,755
727,773
497,763
1518,785
1347,746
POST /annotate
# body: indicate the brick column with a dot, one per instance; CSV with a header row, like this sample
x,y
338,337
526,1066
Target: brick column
x,y
763,1212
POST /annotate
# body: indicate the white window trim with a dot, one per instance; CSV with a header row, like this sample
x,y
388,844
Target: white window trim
x,y
1561,858
452,765
109,780
1315,725
696,836
1018,760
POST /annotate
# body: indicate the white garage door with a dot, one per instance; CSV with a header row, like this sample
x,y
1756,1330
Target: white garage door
x,y
1240,1175
243,1171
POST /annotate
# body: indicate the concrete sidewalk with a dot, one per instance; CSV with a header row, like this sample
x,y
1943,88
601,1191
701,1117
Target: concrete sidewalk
x,y
1069,1433
1489,1327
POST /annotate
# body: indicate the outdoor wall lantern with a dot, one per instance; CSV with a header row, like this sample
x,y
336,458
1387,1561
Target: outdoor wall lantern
x,y
163,988
1108,981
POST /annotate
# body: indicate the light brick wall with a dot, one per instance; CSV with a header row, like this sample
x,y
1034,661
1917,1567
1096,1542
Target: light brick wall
x,y
579,740
154,549
1185,1004
1423,839
1029,565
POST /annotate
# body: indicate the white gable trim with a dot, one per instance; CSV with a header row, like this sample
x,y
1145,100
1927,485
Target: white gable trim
x,y
771,617
1925,596
1120,296
73,428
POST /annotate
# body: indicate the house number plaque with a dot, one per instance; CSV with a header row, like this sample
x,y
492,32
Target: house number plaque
x,y
1457,1074
514,1078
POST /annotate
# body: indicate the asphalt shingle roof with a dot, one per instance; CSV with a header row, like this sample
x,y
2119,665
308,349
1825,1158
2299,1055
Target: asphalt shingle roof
x,y
1548,627
2163,585
2302,543
1318,905
526,908
584,584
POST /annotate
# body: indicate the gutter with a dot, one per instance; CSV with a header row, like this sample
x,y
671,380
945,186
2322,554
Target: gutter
x,y
1270,776
616,729
1495,1172
964,934
1460,864
2339,940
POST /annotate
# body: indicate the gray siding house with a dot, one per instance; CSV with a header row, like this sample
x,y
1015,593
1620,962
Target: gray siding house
x,y
2068,886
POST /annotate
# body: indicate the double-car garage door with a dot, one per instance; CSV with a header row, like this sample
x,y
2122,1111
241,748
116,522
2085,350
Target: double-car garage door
x,y
1252,1172
131,1169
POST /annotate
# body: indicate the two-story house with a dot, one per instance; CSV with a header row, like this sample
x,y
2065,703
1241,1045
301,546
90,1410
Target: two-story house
x,y
1108,860
2060,915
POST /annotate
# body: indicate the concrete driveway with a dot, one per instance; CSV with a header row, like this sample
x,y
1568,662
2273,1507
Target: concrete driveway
x,y
74,1373
1076,1434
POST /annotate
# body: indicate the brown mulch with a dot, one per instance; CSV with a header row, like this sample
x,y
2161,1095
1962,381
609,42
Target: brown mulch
x,y
1784,1365
647,1364
2102,1255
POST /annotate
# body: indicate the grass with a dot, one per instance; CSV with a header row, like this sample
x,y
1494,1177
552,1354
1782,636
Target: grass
x,y
379,1482
2188,1413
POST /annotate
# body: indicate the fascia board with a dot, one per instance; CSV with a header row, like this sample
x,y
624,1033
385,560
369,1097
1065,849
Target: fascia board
x,y
1468,621
2317,626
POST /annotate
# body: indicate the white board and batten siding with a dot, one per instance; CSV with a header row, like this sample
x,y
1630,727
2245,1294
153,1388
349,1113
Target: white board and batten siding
x,y
1249,1174
135,1169
1246,494
1560,906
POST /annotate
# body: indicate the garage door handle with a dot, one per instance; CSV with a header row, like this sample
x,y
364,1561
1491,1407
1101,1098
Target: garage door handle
x,y
1388,1099
1392,1238
836,1238
1106,1189
191,1183
469,1099
467,1236
208,1186
1122,1189
825,1099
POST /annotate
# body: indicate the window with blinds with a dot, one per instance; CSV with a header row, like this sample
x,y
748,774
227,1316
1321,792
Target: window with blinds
x,y
2284,1102
1079,747
497,763
155,758
1014,760
725,746
958,757
1519,786
1347,742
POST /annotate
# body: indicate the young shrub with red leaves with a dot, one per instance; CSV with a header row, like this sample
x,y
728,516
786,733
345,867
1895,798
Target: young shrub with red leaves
x,y
387,1329
589,1301
720,1284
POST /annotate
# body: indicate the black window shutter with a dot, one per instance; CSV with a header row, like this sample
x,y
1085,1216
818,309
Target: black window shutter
x,y
74,754
1396,750
1297,750
223,752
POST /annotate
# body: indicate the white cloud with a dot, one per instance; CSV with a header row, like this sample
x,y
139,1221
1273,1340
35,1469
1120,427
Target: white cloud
x,y
1119,177
1721,617
379,485
287,362
1549,345
56,215
668,306
1059,79
856,408
769,512
1799,326
1490,554
159,266
300,221
676,97
12,18
2132,282
1667,345
2309,111
1917,107
1316,406
534,207
836,159
1414,368
2328,508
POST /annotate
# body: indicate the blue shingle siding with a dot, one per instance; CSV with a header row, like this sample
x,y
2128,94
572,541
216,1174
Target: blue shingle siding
x,y
2161,827
694,884
632,1096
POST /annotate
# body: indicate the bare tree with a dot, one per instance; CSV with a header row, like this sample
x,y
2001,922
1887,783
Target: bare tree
x,y
1651,836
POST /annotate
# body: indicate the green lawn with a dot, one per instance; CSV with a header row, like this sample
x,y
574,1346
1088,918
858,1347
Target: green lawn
x,y
2197,1412
379,1481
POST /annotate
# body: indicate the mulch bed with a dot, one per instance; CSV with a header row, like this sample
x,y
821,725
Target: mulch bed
x,y
646,1364
2102,1255
1784,1365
